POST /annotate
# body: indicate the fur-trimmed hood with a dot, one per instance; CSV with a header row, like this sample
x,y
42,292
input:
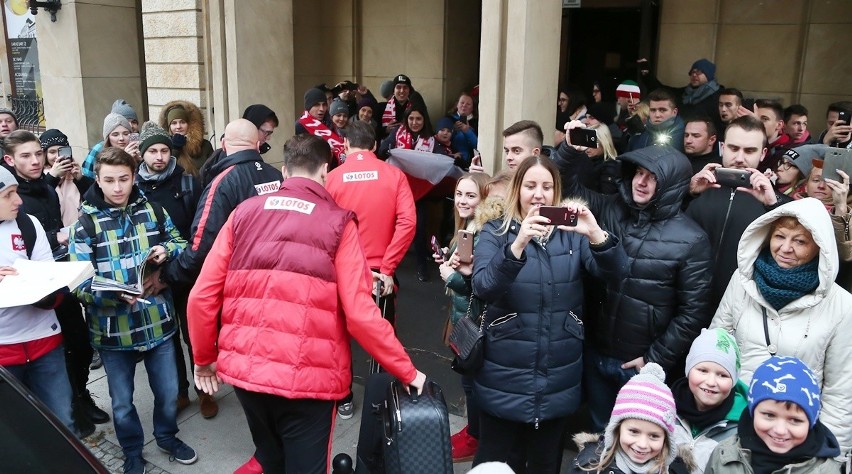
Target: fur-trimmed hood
x,y
196,144
493,207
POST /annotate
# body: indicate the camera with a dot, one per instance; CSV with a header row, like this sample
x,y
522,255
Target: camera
x,y
733,178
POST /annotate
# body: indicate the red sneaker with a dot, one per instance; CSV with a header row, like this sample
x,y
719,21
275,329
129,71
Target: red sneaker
x,y
464,446
250,467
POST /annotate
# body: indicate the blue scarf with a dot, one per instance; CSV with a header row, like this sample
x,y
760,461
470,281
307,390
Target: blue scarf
x,y
694,95
779,286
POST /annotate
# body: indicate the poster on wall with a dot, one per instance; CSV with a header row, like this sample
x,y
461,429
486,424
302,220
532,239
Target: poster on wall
x,y
22,46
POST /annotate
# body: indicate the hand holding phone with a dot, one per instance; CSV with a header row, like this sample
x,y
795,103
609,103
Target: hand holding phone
x,y
733,178
437,251
559,215
465,246
587,137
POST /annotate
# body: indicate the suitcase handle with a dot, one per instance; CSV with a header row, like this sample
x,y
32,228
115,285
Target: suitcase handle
x,y
412,392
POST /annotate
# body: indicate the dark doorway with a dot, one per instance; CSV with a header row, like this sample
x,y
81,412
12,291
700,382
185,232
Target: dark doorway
x,y
602,43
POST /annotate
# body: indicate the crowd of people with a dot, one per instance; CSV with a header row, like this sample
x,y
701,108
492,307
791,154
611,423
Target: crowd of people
x,y
694,308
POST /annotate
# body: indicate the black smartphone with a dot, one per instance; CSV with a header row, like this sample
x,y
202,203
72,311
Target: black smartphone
x,y
64,152
844,115
465,246
733,178
559,215
749,104
583,137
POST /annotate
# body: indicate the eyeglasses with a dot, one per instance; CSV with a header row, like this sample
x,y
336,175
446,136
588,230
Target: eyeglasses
x,y
695,72
266,133
784,166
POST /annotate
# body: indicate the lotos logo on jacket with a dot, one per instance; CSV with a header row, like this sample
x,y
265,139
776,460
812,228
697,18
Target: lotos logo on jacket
x,y
360,176
289,204
266,188
18,243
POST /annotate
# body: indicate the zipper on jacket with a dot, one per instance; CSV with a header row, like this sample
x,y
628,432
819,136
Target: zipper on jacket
x,y
536,423
579,321
724,227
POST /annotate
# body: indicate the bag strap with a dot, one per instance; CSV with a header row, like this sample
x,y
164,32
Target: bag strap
x,y
187,190
161,218
28,232
481,315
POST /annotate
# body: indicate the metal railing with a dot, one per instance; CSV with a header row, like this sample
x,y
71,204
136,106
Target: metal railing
x,y
29,112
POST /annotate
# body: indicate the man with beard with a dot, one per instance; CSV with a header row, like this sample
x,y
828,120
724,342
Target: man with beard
x,y
163,181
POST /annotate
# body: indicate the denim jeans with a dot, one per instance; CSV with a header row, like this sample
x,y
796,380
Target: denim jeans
x,y
120,368
603,377
47,378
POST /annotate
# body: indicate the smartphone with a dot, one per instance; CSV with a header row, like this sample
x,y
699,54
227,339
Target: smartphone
x,y
436,248
837,159
477,158
64,152
584,137
844,115
749,104
559,215
465,246
134,137
733,178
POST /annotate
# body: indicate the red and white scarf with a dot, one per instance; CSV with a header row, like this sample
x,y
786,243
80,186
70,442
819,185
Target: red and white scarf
x,y
404,140
317,128
389,115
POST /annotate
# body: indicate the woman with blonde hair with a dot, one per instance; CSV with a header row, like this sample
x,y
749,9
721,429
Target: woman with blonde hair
x,y
184,122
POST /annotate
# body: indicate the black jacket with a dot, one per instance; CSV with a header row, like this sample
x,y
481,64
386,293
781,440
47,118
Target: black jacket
x,y
233,179
724,214
181,204
42,202
533,358
661,306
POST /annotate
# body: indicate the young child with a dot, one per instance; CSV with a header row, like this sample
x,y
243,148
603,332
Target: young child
x,y
711,398
638,437
780,431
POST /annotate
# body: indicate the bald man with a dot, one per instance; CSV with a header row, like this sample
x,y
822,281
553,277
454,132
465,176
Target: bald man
x,y
240,175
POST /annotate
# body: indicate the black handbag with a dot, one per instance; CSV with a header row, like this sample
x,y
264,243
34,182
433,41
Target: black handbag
x,y
467,341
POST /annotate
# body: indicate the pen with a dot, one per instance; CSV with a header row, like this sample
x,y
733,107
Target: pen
x,y
140,300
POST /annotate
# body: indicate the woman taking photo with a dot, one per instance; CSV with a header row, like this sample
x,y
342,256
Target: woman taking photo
x,y
783,301
465,126
530,273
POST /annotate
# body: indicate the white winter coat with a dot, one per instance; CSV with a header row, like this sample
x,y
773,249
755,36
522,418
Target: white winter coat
x,y
816,328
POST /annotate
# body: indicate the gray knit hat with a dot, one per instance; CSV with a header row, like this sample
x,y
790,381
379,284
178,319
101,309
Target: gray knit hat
x,y
645,397
386,89
121,107
715,345
6,179
4,110
338,107
113,121
150,134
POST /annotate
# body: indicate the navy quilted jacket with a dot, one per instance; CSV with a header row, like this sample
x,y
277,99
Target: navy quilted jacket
x,y
534,346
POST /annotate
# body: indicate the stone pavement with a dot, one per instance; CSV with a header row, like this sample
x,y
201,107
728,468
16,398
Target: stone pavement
x,y
223,443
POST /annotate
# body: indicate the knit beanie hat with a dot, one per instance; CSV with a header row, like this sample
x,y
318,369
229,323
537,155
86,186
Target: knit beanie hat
x,y
715,345
6,179
402,79
645,397
4,110
312,97
51,138
121,107
628,89
705,66
338,107
602,111
259,113
150,134
176,112
112,121
366,102
444,122
785,379
386,89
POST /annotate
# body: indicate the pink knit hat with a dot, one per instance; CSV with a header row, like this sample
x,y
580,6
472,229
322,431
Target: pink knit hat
x,y
645,397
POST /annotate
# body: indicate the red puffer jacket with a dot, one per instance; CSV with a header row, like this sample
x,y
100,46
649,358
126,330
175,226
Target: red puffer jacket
x,y
292,283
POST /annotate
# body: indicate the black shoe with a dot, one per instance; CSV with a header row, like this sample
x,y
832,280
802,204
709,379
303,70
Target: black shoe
x,y
84,425
90,410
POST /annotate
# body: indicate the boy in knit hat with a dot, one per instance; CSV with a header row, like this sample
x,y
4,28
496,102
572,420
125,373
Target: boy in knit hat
x,y
639,436
780,431
711,398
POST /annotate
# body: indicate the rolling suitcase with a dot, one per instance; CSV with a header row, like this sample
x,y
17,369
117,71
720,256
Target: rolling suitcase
x,y
416,431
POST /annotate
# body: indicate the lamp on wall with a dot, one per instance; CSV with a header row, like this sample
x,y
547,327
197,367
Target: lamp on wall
x,y
51,6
